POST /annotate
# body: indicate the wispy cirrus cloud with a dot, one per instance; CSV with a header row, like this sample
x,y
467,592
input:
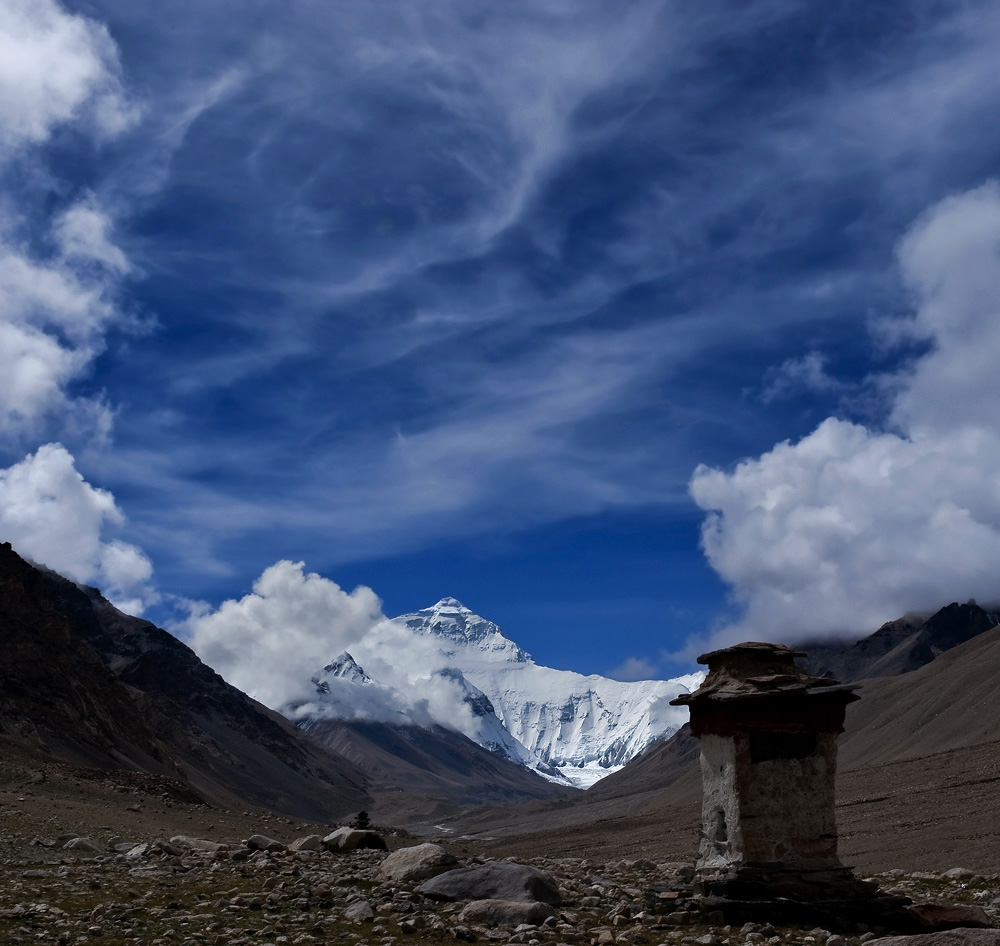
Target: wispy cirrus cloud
x,y
522,267
428,274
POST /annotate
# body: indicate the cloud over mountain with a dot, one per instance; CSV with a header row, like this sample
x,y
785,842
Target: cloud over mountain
x,y
851,525
272,641
51,514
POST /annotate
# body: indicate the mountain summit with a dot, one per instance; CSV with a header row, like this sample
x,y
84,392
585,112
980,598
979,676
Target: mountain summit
x,y
454,626
573,727
569,728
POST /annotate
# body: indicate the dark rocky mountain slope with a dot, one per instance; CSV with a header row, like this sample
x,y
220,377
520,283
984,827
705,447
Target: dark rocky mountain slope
x,y
420,776
946,705
89,685
93,687
899,646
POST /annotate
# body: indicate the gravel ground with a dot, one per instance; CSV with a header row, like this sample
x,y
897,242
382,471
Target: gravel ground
x,y
142,894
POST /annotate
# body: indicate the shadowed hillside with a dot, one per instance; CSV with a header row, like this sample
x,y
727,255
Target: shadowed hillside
x,y
94,687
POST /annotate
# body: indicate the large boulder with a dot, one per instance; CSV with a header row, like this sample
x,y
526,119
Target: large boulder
x,y
84,846
495,880
410,864
939,917
507,913
311,842
351,839
260,842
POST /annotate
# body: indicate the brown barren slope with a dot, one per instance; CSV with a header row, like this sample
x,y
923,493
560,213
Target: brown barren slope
x,y
85,684
919,782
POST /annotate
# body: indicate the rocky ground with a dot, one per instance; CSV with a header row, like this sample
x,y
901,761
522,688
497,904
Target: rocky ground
x,y
142,893
133,885
119,885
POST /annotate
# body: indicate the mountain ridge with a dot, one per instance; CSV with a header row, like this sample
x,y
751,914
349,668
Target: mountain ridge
x,y
85,683
918,766
567,727
584,726
899,646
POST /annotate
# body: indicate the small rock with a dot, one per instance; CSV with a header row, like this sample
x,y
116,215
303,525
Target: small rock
x,y
352,839
312,842
84,846
194,844
360,910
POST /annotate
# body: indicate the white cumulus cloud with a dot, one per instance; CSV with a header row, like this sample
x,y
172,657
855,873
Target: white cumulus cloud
x,y
272,641
51,514
850,526
56,67
60,276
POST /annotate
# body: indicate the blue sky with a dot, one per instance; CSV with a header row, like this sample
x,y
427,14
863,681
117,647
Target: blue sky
x,y
455,298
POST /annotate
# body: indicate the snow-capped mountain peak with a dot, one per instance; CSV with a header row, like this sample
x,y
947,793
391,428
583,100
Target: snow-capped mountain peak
x,y
582,726
564,725
455,628
344,667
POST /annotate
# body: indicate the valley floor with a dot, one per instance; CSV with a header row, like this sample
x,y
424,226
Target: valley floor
x,y
235,897
904,824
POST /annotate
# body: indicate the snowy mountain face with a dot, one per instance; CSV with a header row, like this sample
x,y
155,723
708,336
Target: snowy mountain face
x,y
583,727
565,726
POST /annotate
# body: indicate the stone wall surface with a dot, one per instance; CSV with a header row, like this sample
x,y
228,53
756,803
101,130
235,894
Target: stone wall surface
x,y
721,843
787,805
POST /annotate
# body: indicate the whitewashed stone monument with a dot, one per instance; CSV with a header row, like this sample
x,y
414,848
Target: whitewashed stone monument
x,y
768,734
